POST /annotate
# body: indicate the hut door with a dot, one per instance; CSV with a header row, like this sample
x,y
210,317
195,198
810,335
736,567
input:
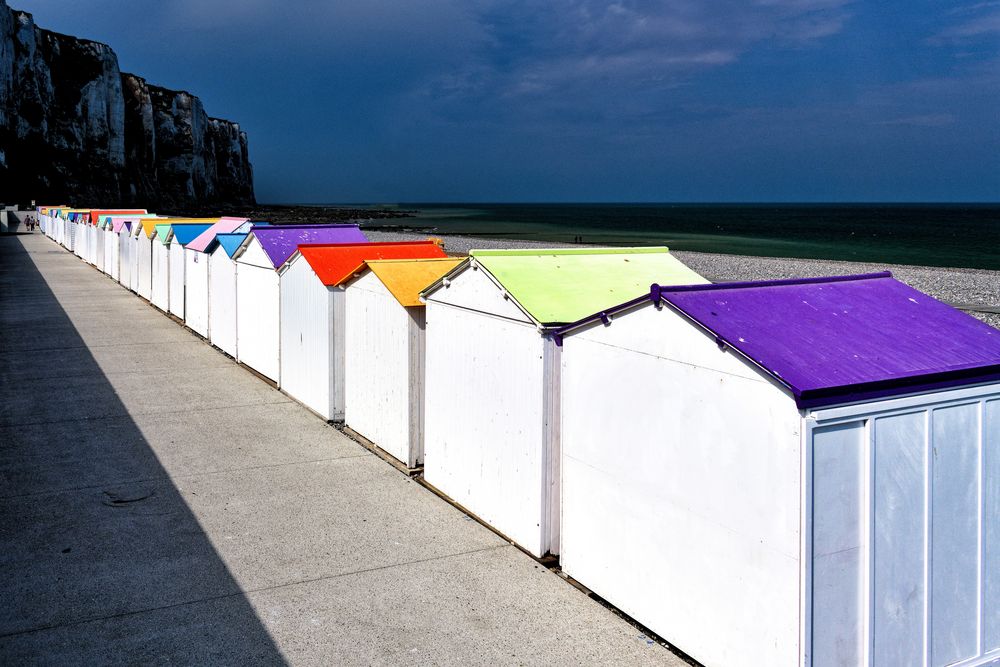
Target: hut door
x,y
905,538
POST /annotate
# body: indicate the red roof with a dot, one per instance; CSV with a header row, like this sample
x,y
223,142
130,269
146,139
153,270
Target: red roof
x,y
94,213
335,264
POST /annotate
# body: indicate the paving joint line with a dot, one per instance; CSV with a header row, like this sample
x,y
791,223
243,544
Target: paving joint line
x,y
246,593
128,414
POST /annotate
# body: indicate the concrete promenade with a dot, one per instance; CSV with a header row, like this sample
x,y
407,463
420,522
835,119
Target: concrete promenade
x,y
159,504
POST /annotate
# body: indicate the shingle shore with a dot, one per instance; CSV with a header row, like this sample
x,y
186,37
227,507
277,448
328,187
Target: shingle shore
x,y
968,288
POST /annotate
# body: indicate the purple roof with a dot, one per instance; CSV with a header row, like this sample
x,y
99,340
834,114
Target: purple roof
x,y
223,226
281,241
844,339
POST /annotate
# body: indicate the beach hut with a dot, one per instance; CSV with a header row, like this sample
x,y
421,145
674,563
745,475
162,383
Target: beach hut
x,y
143,234
163,261
123,261
384,353
177,238
103,239
196,273
491,438
312,317
222,289
258,258
789,473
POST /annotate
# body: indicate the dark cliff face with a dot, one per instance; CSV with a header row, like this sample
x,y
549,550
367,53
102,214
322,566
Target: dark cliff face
x,y
74,128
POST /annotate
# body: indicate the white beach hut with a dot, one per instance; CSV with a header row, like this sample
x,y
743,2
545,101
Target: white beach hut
x,y
384,353
222,289
259,256
178,237
491,438
142,274
161,264
122,228
197,255
312,317
789,473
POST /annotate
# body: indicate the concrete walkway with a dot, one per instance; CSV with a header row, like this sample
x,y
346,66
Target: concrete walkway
x,y
159,504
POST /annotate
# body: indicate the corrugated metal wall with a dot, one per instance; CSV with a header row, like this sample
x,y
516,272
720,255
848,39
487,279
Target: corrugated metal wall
x,y
98,248
196,291
257,318
306,332
125,247
222,301
906,535
377,368
175,295
144,287
160,288
111,255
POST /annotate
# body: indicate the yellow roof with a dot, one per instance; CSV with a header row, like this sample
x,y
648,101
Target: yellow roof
x,y
407,278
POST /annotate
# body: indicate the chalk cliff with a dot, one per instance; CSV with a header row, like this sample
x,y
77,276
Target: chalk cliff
x,y
74,128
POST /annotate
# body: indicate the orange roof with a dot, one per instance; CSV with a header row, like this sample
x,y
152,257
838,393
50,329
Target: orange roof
x,y
407,278
334,264
94,213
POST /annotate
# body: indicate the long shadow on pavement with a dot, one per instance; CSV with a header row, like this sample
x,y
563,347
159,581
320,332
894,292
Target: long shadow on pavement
x,y
100,571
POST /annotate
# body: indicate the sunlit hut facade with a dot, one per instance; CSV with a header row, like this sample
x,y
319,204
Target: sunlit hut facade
x,y
789,472
102,235
492,372
122,227
113,224
178,238
313,317
384,338
196,273
258,258
222,288
161,261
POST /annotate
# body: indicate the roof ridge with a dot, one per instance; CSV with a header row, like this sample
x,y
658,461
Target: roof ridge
x,y
745,284
527,252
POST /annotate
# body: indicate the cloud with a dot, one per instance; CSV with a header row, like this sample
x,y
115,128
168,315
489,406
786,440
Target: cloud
x,y
976,21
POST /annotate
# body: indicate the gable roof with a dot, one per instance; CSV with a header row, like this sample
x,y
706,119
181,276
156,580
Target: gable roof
x,y
334,264
185,233
557,286
844,339
97,213
281,241
149,224
206,239
231,242
407,278
118,221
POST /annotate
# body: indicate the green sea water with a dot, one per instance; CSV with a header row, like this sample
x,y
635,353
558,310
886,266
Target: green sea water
x,y
958,235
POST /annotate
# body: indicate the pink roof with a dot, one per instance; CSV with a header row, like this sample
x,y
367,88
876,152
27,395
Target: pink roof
x,y
118,221
223,226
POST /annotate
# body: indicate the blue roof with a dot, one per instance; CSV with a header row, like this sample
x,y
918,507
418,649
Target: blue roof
x,y
230,242
184,234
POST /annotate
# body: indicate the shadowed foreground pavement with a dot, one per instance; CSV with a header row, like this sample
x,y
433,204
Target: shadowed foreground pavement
x,y
160,504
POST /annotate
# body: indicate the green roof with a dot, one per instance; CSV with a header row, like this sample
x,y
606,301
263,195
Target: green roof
x,y
163,232
560,286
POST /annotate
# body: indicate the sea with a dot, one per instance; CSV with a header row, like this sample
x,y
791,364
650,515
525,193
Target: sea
x,y
953,235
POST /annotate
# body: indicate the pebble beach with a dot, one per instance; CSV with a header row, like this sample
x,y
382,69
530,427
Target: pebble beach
x,y
976,291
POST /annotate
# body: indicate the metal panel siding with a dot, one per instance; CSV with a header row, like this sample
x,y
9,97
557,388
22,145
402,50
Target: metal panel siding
x,y
929,518
111,255
681,488
144,286
101,247
474,290
196,291
991,525
160,286
125,248
306,330
177,280
898,540
954,513
257,318
839,543
484,423
222,301
377,368
135,255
